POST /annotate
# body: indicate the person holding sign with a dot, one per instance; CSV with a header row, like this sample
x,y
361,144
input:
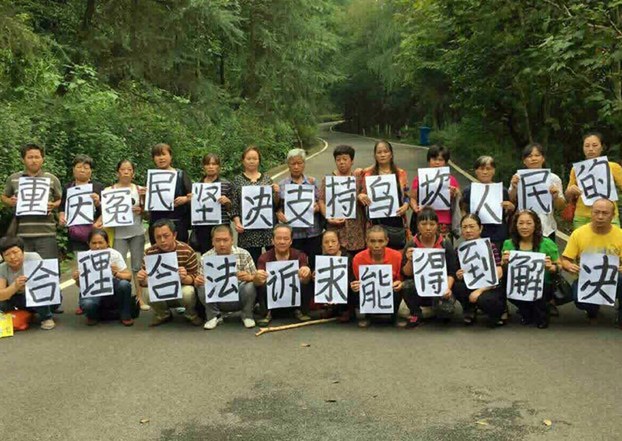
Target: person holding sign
x,y
37,231
328,278
130,237
597,237
222,241
351,231
378,253
437,157
72,206
485,172
483,268
526,235
428,237
119,304
595,186
304,217
202,240
534,157
162,155
252,240
166,242
13,280
395,225
283,251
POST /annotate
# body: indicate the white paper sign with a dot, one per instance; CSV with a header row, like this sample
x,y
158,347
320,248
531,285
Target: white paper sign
x,y
95,269
257,210
486,200
595,180
430,272
331,279
298,202
117,207
79,205
163,277
478,263
433,188
221,279
376,292
283,285
533,190
32,196
206,210
525,276
598,279
382,191
160,190
340,197
43,284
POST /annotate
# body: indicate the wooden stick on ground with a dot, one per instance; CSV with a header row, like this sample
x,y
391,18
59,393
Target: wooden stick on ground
x,y
293,326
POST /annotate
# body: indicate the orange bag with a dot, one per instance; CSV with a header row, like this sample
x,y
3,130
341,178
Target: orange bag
x,y
21,319
568,212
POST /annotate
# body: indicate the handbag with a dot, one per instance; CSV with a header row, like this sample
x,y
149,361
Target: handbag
x,y
562,292
80,233
568,211
397,237
21,319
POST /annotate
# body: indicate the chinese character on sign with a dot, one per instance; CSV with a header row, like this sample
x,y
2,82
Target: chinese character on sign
x,y
430,272
477,261
32,196
376,293
298,201
382,191
221,281
206,210
340,197
525,276
257,209
163,277
79,206
43,284
486,201
331,279
95,274
595,180
533,191
283,284
598,279
117,207
433,188
160,190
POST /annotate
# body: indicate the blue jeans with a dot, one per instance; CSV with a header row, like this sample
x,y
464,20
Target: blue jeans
x,y
121,300
592,310
19,301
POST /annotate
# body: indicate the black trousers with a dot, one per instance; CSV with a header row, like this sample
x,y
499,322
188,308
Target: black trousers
x,y
491,302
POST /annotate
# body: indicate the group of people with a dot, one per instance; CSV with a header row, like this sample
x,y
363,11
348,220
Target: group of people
x,y
364,240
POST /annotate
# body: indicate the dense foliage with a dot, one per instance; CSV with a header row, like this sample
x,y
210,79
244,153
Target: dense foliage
x,y
488,76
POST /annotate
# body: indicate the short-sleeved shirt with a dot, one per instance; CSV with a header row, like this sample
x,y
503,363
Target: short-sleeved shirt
x,y
583,210
316,228
35,226
391,257
547,246
270,256
495,232
444,216
9,275
243,259
186,257
584,239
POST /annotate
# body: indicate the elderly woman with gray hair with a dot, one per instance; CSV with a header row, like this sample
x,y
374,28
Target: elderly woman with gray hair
x,y
307,239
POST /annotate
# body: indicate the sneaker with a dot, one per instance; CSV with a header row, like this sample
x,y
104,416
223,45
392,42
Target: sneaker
x,y
128,322
180,310
248,323
265,321
48,324
364,323
196,321
413,321
144,307
157,321
301,316
212,323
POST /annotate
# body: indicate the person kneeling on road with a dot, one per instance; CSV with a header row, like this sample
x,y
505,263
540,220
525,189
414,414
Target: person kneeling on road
x,y
222,242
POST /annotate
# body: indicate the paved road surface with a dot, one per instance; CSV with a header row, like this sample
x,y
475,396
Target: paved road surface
x,y
433,383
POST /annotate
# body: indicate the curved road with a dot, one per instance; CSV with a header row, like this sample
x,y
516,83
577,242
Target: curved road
x,y
432,383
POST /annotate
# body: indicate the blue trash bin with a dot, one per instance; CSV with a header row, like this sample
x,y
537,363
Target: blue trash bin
x,y
424,135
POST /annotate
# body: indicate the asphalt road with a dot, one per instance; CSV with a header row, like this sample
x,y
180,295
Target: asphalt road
x,y
436,382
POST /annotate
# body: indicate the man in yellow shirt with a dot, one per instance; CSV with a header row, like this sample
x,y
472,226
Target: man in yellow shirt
x,y
599,236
